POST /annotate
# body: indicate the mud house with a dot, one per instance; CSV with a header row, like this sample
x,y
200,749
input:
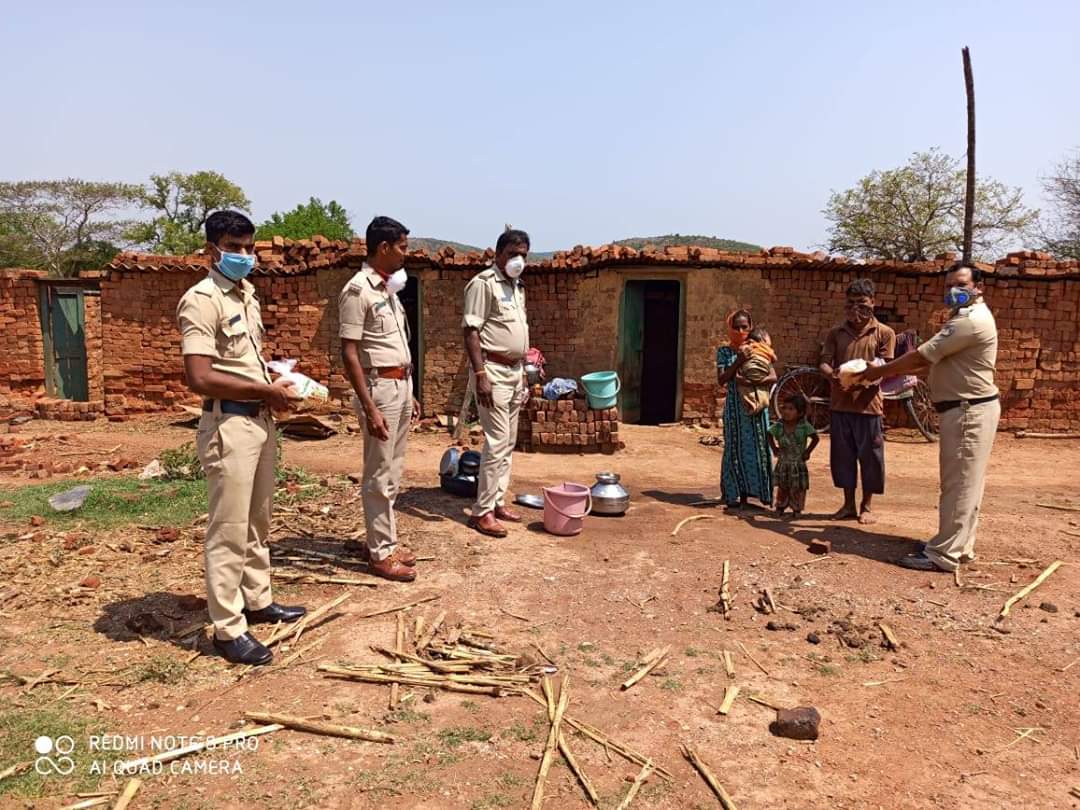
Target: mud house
x,y
655,315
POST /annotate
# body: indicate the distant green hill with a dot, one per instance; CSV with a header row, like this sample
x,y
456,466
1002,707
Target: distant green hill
x,y
675,240
432,245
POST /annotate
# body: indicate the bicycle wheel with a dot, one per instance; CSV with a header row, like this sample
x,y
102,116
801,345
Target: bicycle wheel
x,y
813,385
920,409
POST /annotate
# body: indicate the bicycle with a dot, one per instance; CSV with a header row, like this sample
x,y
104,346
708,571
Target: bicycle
x,y
815,386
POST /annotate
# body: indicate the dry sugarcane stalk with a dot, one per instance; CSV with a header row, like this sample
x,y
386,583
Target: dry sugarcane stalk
x,y
601,739
449,686
429,634
1027,434
706,774
194,748
437,666
1059,507
1039,580
406,606
751,657
730,693
764,702
319,579
647,667
318,727
639,780
725,593
399,646
130,790
729,664
418,629
17,768
890,637
691,519
568,755
770,602
552,740
97,801
309,620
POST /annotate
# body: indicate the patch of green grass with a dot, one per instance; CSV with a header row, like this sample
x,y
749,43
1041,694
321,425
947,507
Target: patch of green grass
x,y
672,685
407,715
827,669
112,502
522,733
692,652
471,706
511,780
590,662
865,655
586,646
629,666
20,726
458,735
161,668
491,802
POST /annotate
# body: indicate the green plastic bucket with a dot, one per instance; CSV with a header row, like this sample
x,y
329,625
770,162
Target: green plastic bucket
x,y
602,389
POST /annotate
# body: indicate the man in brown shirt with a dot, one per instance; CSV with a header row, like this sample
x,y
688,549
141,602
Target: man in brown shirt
x,y
857,441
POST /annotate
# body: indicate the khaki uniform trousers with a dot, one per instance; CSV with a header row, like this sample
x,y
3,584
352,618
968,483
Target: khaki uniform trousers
x,y
500,425
384,462
966,439
238,455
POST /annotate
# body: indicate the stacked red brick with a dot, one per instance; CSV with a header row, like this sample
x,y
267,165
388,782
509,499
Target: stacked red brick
x,y
22,363
567,425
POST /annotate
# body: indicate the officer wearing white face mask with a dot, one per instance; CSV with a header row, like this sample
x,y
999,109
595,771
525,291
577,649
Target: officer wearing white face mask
x,y
961,360
496,340
375,351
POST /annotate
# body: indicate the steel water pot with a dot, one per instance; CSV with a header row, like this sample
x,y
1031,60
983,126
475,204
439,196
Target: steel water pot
x,y
608,495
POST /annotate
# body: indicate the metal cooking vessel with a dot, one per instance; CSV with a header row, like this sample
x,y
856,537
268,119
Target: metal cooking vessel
x,y
608,495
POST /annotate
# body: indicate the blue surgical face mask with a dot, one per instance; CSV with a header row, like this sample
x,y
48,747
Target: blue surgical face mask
x,y
957,297
235,266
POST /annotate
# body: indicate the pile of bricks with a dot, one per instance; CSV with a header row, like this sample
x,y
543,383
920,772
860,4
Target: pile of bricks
x,y
567,426
66,410
22,367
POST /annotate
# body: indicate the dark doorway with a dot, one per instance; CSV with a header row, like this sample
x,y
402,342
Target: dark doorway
x,y
63,329
410,300
649,351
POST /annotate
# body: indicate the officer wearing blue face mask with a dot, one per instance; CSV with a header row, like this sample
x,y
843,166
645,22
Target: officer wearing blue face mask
x,y
961,360
222,339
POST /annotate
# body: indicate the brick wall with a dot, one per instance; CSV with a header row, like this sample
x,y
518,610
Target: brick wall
x,y
22,355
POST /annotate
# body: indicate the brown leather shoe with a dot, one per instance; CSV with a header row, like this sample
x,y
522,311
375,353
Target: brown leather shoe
x,y
502,513
403,554
487,524
392,569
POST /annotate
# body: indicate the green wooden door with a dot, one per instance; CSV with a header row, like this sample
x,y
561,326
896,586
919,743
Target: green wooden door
x,y
64,330
631,350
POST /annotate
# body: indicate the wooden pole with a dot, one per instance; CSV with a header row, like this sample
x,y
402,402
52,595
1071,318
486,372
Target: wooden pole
x,y
969,199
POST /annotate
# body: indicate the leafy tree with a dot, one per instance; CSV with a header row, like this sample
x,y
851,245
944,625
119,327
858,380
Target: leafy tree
x,y
181,203
1060,233
305,221
916,211
63,225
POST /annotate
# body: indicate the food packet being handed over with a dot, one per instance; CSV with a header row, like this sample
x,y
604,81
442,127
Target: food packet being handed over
x,y
850,370
303,386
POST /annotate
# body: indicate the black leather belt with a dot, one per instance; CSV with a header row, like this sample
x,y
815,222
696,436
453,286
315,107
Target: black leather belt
x,y
942,407
234,407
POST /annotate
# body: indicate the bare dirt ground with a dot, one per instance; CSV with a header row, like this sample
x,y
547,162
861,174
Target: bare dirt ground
x,y
966,714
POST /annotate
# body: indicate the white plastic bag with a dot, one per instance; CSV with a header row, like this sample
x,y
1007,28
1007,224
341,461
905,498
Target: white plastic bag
x,y
852,369
303,386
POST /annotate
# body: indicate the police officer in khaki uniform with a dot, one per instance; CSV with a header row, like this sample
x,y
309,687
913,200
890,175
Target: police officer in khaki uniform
x,y
221,338
375,350
961,360
496,341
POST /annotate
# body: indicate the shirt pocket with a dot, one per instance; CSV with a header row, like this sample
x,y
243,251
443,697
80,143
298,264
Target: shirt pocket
x,y
381,321
506,308
233,338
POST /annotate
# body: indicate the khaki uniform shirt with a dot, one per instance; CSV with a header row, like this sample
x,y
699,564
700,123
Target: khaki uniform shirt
x,y
495,306
843,344
221,319
374,317
963,354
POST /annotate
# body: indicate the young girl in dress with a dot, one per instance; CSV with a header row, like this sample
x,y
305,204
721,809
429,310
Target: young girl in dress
x,y
792,439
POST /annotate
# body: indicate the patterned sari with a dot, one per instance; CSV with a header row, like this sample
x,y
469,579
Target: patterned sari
x,y
747,467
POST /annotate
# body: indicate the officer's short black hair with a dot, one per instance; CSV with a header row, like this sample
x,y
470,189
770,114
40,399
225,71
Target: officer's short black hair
x,y
861,287
227,223
511,236
383,229
976,273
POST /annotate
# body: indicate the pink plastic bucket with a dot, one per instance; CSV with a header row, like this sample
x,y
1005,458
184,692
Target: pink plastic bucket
x,y
565,507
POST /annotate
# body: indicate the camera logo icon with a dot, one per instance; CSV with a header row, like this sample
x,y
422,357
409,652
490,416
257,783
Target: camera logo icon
x,y
61,764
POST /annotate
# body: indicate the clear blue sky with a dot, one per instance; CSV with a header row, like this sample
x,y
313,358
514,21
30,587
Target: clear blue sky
x,y
580,121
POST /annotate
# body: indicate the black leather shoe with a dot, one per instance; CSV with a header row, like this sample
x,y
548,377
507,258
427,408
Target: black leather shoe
x,y
274,613
245,649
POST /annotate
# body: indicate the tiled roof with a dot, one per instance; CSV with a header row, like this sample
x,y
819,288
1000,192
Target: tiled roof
x,y
288,257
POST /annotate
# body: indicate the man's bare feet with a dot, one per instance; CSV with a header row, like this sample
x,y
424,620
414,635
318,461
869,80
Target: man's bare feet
x,y
867,518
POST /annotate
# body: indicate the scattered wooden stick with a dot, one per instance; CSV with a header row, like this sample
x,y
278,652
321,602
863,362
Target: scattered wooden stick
x,y
309,620
130,790
1027,434
1075,792
96,801
769,601
418,630
1067,667
691,519
552,740
1039,580
651,662
764,702
399,647
751,657
730,693
702,768
1059,507
639,780
513,615
406,606
882,683
729,663
564,747
17,768
194,748
726,604
890,637
319,727
431,682
429,634
320,579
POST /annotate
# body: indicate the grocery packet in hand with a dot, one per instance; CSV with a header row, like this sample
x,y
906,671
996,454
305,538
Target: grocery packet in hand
x,y
303,386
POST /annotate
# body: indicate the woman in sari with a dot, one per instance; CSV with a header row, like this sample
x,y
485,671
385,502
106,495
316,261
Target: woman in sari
x,y
747,465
